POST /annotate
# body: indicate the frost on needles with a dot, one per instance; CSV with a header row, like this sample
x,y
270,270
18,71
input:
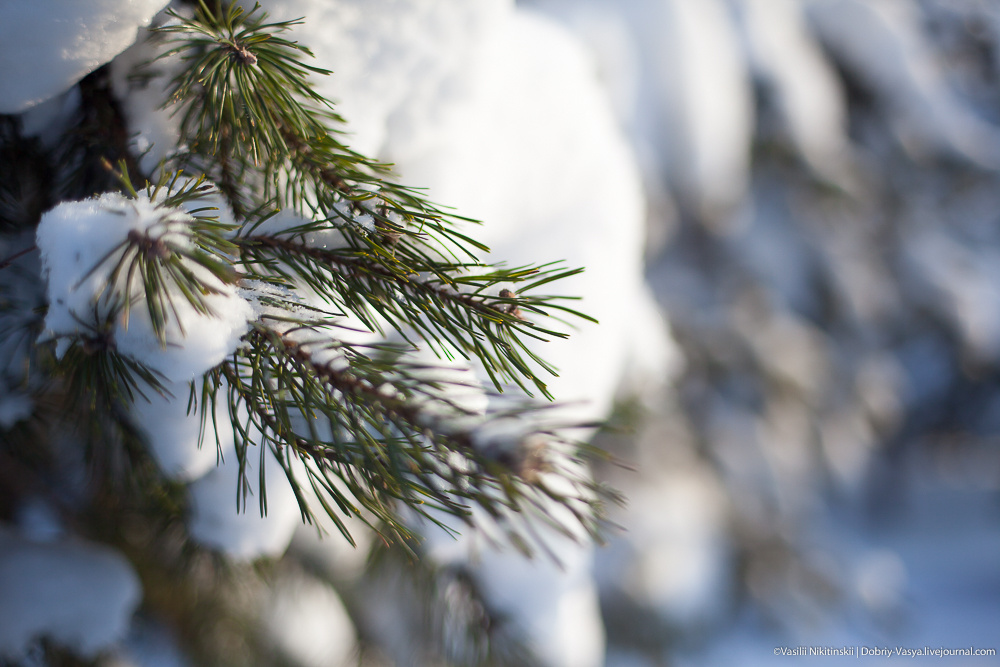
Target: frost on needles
x,y
269,301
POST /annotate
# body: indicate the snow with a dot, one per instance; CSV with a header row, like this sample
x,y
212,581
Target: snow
x,y
691,113
533,122
551,598
535,105
706,85
673,558
449,379
148,644
962,282
154,131
76,593
37,521
307,622
80,243
881,41
14,406
810,96
50,119
172,430
390,58
905,572
48,45
235,527
553,603
323,546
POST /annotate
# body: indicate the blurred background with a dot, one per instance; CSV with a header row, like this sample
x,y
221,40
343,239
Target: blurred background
x,y
824,237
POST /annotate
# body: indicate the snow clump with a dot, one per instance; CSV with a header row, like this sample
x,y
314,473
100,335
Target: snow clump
x,y
78,594
245,530
46,46
80,244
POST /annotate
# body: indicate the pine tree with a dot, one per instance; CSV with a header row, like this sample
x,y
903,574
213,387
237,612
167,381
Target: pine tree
x,y
282,297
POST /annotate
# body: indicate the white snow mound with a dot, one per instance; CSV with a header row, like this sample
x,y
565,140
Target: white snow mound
x,y
77,594
48,45
80,244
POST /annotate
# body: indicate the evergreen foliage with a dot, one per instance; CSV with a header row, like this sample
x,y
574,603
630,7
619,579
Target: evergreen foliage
x,y
337,259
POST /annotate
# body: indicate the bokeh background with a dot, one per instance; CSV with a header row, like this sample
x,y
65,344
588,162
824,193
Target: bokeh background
x,y
824,236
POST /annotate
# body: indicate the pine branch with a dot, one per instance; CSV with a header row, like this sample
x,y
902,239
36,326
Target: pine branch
x,y
372,433
443,302
245,85
375,432
449,616
390,233
25,173
362,431
97,375
165,257
249,81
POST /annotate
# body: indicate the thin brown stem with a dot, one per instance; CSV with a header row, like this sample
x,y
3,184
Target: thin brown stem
x,y
10,260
